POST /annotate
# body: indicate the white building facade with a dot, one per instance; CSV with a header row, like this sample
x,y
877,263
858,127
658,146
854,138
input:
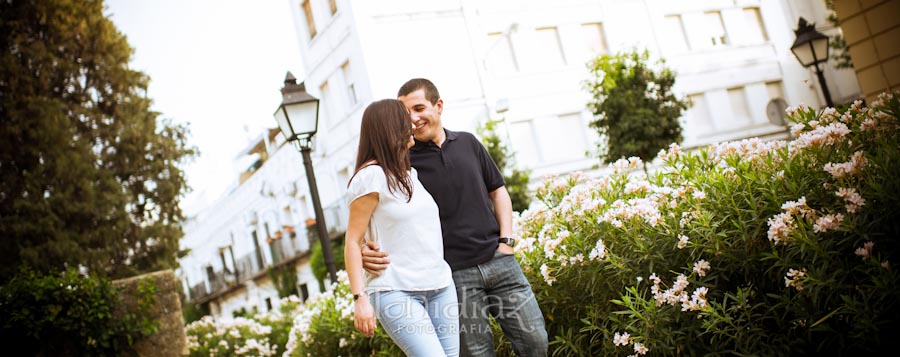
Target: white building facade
x,y
259,226
523,61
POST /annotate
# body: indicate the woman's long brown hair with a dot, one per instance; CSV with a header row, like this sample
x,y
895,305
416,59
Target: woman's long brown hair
x,y
383,135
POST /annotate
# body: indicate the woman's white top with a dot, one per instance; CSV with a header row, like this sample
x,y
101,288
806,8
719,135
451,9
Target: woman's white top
x,y
410,232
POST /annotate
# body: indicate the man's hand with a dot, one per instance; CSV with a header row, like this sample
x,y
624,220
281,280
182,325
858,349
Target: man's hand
x,y
374,260
505,249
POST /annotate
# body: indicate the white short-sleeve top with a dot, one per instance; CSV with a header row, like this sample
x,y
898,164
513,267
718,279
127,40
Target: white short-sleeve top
x,y
410,232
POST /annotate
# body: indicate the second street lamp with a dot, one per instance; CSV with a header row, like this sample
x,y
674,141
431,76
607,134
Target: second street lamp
x,y
298,119
811,49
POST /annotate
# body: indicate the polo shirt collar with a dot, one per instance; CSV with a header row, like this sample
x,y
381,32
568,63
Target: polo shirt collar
x,y
420,145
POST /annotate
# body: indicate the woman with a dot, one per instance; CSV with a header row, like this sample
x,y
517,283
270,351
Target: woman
x,y
414,298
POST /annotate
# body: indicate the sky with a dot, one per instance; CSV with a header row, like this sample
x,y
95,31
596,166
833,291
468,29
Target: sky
x,y
216,66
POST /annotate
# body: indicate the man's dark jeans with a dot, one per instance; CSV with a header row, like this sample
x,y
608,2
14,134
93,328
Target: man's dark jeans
x,y
499,288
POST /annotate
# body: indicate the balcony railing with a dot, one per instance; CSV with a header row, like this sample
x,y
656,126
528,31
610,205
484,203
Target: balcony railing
x,y
246,267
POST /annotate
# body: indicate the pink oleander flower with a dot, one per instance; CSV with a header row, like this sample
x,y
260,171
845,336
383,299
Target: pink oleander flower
x,y
545,272
792,278
840,170
866,250
640,349
780,227
682,241
621,339
701,267
828,222
853,200
599,251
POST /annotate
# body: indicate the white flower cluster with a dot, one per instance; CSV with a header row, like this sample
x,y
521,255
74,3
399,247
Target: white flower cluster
x,y
866,250
850,168
852,198
677,294
624,339
216,334
793,278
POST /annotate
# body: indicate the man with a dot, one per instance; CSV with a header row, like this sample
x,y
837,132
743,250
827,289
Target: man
x,y
465,183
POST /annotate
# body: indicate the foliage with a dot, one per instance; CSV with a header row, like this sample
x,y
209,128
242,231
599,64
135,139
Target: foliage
x,y
840,52
740,248
285,280
633,105
516,179
193,312
281,321
324,327
317,259
232,337
90,173
67,314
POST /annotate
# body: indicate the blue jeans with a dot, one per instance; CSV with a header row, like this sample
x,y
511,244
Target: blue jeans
x,y
422,323
499,288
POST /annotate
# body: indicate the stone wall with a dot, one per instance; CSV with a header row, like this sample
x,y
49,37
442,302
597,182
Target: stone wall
x,y
170,339
872,31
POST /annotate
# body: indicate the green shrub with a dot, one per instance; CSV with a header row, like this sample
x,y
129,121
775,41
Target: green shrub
x,y
324,327
749,247
67,314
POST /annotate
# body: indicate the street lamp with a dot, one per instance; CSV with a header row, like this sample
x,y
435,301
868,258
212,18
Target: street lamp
x,y
811,49
298,119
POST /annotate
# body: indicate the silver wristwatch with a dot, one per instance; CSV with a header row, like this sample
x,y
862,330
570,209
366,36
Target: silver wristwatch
x,y
508,241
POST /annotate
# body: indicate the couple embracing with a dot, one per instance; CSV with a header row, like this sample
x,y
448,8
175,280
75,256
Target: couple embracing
x,y
431,224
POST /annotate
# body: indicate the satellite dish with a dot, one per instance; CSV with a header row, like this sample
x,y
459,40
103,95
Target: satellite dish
x,y
775,111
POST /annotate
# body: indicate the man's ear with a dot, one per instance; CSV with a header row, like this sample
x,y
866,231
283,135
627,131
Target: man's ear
x,y
440,106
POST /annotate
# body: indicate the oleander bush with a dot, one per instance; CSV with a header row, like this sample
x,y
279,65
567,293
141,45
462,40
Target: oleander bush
x,y
229,337
739,248
324,327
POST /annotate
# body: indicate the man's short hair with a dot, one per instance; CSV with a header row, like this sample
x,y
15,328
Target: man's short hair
x,y
431,92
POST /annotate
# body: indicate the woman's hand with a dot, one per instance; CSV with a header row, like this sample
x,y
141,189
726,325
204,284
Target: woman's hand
x,y
364,316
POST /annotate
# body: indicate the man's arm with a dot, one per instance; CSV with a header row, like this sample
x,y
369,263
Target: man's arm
x,y
373,259
503,213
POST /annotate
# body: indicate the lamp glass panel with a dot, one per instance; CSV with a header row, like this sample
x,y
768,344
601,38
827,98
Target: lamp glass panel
x,y
820,45
804,54
283,124
303,117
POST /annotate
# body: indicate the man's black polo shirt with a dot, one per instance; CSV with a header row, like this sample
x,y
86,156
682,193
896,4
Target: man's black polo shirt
x,y
459,176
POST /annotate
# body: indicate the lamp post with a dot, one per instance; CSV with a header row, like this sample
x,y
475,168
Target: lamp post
x,y
298,119
811,49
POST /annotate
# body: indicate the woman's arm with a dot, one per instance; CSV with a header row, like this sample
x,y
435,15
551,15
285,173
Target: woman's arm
x,y
361,210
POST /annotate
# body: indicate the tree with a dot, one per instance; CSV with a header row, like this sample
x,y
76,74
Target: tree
x,y
90,174
633,105
516,179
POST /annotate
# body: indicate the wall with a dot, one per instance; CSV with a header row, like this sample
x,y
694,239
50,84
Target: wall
x,y
872,31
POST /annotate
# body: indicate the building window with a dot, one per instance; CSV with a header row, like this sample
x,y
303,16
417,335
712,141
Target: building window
x,y
549,50
595,38
328,104
352,98
501,56
310,23
699,119
674,37
268,304
304,292
523,138
333,5
737,97
756,28
715,29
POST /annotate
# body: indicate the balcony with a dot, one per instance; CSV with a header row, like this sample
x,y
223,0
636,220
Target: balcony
x,y
247,267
